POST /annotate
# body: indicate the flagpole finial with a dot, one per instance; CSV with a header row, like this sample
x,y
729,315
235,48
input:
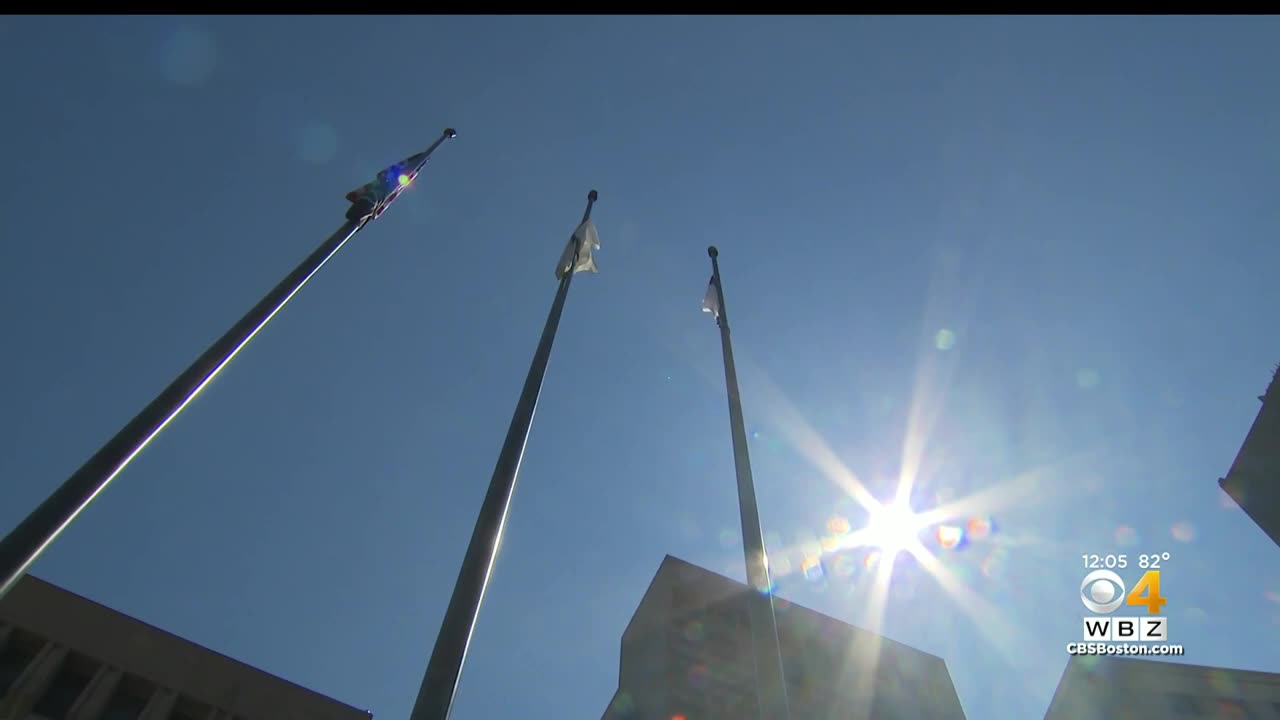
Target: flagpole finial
x,y
592,196
450,133
713,252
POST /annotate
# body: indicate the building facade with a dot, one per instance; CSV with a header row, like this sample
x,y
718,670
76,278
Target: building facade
x,y
64,657
1254,478
687,654
1116,688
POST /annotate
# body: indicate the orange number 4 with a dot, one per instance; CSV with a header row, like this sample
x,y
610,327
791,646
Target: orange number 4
x,y
1147,592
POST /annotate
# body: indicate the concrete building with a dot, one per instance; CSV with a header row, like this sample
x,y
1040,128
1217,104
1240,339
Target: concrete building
x,y
1254,478
1115,688
687,654
63,657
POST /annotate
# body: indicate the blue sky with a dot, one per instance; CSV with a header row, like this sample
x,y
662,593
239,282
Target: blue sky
x,y
1085,205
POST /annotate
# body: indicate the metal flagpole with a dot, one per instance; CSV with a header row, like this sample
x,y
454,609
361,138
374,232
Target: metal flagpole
x,y
440,682
772,688
20,548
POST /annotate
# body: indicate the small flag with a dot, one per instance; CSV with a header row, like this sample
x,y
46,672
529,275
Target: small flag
x,y
386,188
585,240
711,301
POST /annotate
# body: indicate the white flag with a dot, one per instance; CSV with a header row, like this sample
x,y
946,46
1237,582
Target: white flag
x,y
585,240
711,301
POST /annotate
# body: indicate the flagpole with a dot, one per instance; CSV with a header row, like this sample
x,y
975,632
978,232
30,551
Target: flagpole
x,y
771,687
24,544
440,681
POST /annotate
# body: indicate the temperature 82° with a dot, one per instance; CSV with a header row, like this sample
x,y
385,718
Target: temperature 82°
x,y
1153,560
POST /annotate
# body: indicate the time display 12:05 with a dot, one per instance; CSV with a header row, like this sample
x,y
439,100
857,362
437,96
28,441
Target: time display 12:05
x,y
1095,562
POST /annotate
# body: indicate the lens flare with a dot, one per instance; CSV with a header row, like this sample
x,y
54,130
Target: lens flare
x,y
1183,532
624,705
979,527
950,536
1224,685
838,525
1126,536
1087,378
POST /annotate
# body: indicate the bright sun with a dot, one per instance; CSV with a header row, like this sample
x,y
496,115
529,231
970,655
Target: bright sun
x,y
892,528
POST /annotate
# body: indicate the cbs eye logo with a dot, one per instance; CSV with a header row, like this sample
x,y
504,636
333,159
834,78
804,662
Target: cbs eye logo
x,y
1108,592
1103,598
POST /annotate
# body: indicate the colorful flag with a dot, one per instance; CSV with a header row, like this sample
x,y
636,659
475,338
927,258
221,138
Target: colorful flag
x,y
386,188
585,240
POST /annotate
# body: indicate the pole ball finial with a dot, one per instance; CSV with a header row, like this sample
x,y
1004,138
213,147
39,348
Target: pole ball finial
x,y
713,252
592,196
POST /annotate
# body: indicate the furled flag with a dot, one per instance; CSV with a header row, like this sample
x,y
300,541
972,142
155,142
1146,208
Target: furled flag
x,y
585,240
711,301
386,188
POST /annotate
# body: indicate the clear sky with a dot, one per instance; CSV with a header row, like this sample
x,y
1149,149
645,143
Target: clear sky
x,y
1086,207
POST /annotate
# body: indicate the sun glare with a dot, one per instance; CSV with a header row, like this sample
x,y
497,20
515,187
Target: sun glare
x,y
892,528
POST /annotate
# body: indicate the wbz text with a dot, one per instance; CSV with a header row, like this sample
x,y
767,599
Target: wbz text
x,y
1116,636
1103,592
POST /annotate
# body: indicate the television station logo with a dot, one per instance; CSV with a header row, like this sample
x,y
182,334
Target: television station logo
x,y
1104,593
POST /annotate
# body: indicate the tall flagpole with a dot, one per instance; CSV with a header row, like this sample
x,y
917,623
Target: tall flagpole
x,y
440,682
772,687
20,548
